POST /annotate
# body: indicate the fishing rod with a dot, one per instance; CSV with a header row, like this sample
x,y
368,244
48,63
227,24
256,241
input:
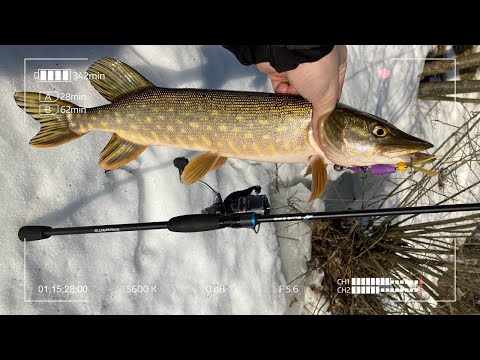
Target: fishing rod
x,y
240,209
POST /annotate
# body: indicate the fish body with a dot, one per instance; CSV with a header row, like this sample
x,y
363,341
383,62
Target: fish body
x,y
245,125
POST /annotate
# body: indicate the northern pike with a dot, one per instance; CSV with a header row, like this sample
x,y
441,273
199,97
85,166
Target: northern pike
x,y
223,124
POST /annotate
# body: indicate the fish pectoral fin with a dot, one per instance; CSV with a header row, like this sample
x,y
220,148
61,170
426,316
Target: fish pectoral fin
x,y
319,177
119,152
218,163
114,79
200,166
308,171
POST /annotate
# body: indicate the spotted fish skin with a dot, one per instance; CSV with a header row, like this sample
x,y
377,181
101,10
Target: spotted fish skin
x,y
244,125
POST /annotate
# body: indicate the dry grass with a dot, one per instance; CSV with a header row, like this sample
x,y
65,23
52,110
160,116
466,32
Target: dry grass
x,y
443,253
346,249
442,250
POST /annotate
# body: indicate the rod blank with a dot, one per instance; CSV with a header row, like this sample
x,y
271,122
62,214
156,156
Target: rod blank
x,y
369,212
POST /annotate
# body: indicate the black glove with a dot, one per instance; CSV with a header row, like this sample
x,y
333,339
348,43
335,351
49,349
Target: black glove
x,y
281,57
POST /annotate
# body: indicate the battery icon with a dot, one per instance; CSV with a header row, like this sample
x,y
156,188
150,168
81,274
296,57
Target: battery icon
x,y
53,75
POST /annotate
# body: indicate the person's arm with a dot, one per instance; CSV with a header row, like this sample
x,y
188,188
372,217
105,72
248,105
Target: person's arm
x,y
316,72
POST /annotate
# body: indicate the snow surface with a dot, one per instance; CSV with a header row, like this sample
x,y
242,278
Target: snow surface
x,y
63,186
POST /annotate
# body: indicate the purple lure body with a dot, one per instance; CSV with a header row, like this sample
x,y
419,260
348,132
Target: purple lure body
x,y
378,169
382,169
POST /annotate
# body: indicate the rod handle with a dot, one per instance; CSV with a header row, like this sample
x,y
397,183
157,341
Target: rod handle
x,y
32,233
194,223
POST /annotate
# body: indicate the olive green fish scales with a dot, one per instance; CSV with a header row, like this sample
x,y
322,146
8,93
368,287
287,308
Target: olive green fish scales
x,y
246,125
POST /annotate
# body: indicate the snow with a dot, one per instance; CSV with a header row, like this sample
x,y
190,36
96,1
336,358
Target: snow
x,y
64,186
224,272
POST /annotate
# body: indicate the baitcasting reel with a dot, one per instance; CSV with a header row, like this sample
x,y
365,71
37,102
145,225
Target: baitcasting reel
x,y
237,202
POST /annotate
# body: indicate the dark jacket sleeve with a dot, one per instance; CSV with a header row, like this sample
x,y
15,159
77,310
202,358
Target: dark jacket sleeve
x,y
281,57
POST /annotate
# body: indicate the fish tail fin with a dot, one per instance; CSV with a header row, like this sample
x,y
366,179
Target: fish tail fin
x,y
46,110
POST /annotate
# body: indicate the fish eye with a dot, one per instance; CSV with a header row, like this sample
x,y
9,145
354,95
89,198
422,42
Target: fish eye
x,y
380,131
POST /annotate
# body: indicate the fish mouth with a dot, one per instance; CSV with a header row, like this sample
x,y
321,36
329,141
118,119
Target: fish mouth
x,y
424,158
406,146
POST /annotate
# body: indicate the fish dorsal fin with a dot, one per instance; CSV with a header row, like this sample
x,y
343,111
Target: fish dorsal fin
x,y
114,79
200,166
119,152
319,177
